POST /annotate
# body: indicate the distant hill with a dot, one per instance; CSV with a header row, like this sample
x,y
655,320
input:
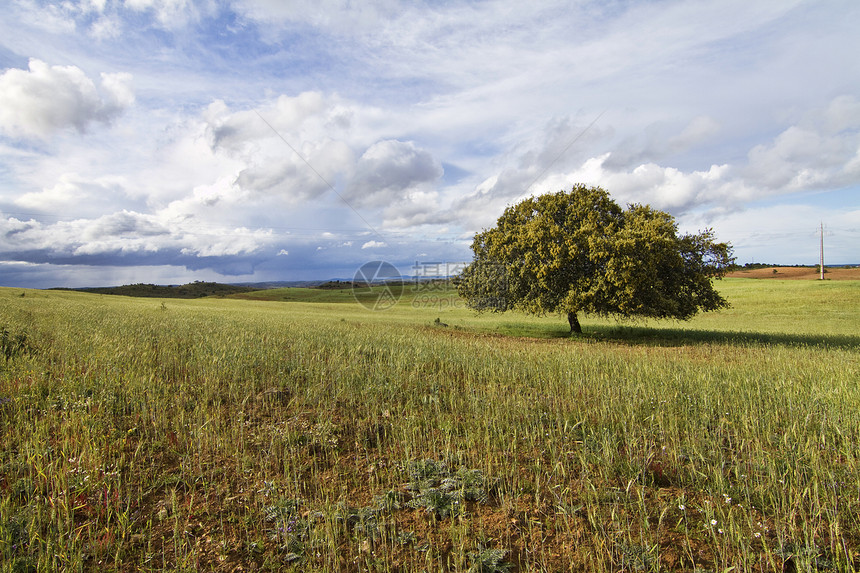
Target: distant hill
x,y
191,290
200,289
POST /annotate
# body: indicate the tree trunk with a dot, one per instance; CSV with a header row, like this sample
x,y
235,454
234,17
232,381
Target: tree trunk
x,y
575,328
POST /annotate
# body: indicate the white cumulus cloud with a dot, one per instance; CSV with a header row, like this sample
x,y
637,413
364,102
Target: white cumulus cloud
x,y
39,101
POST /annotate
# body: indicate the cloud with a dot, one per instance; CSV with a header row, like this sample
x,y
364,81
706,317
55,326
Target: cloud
x,y
289,121
374,245
538,163
54,18
287,147
134,239
342,16
297,176
99,19
170,14
42,100
701,129
665,139
760,234
249,121
820,151
106,28
387,170
93,5
73,193
841,115
121,232
301,148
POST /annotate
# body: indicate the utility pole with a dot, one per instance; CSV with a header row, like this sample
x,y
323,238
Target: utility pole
x,y
821,261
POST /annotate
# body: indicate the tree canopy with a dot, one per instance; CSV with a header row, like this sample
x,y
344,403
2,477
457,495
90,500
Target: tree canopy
x,y
579,252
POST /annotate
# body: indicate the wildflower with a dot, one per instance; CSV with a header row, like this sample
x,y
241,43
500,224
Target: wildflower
x,y
682,507
720,531
757,534
713,522
728,500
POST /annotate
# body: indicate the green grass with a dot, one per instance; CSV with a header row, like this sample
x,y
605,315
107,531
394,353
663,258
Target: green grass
x,y
211,434
786,312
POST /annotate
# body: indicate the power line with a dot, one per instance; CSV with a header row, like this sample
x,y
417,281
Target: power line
x,y
822,250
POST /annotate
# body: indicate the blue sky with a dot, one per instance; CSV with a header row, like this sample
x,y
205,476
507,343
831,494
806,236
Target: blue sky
x,y
168,141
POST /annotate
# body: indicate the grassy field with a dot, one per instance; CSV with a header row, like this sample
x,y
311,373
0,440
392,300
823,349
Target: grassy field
x,y
266,435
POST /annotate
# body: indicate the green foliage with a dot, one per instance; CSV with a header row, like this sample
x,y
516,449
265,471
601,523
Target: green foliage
x,y
635,557
488,561
442,492
578,251
290,529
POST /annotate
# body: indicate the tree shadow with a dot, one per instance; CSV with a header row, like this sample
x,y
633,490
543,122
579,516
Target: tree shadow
x,y
642,335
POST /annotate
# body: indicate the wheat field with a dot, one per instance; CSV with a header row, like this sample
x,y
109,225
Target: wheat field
x,y
228,434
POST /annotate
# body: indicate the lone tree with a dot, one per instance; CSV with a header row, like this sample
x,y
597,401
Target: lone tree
x,y
579,252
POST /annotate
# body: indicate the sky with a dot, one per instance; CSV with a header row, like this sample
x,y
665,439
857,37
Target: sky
x,y
168,141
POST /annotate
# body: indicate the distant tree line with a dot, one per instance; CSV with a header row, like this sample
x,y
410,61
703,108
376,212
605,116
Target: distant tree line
x,y
196,289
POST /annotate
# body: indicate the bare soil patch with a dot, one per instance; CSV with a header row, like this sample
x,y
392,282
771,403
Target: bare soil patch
x,y
799,273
